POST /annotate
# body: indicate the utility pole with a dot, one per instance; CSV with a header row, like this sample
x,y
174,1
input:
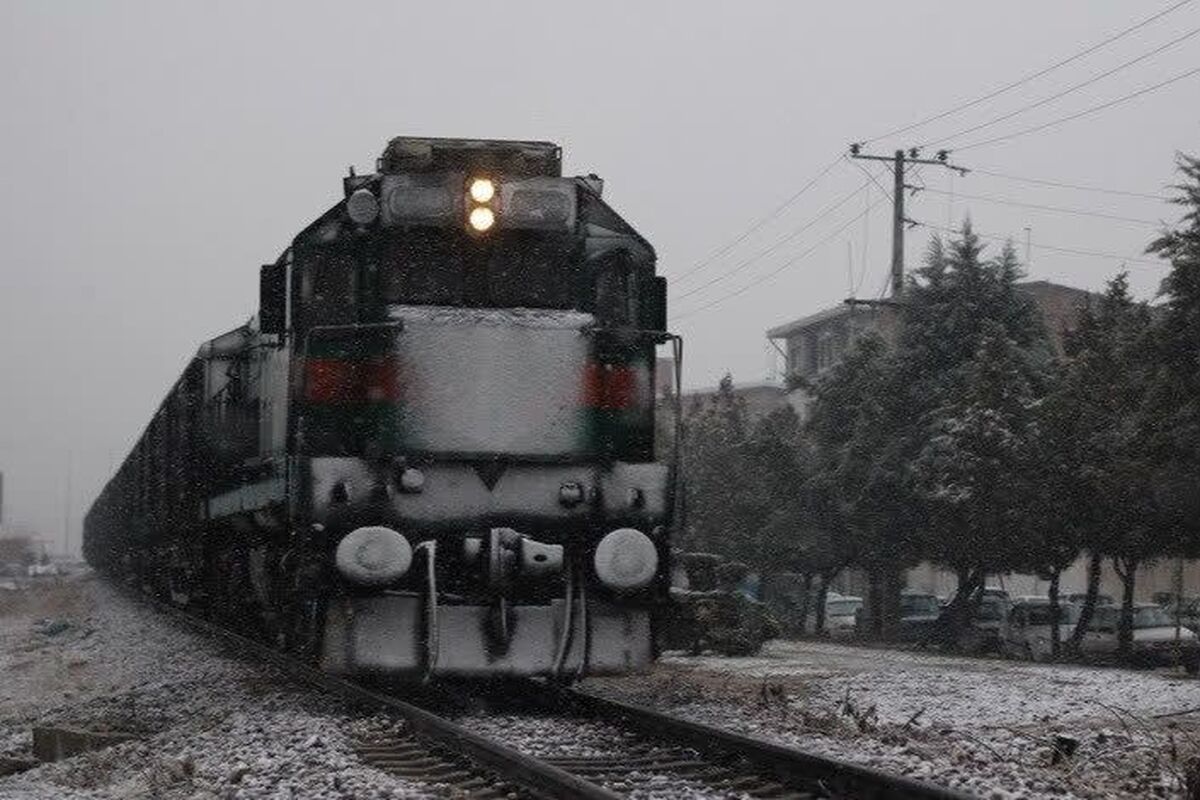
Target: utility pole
x,y
898,225
900,162
883,605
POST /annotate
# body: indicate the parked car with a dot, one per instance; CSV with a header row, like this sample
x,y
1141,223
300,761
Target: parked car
x,y
1154,637
1078,598
992,592
983,635
987,627
919,614
1188,611
1028,630
841,614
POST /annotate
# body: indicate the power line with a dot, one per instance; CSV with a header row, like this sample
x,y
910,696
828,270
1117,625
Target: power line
x,y
1054,248
776,245
782,266
1061,185
1084,113
762,221
872,178
883,287
1064,92
864,250
1057,209
1031,76
862,269
757,225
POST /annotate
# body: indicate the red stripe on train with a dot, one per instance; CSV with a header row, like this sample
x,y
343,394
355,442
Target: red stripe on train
x,y
335,381
609,387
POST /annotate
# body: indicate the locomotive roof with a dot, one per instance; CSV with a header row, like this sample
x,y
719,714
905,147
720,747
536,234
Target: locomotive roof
x,y
514,157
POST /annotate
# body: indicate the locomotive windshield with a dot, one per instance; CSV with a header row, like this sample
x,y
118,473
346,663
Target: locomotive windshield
x,y
525,270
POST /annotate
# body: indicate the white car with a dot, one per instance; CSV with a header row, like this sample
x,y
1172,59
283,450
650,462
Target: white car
x,y
1027,631
840,615
1154,637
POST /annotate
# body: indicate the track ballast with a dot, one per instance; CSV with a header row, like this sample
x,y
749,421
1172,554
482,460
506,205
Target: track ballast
x,y
650,753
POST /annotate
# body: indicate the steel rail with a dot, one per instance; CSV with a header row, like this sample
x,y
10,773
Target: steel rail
x,y
789,764
531,773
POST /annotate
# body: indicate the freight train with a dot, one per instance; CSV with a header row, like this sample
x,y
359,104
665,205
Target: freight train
x,y
431,452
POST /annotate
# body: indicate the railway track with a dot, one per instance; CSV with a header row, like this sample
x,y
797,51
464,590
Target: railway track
x,y
644,753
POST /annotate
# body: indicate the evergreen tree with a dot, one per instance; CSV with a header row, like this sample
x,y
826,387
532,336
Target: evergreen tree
x,y
972,474
1059,504
1170,418
949,306
974,352
856,489
724,511
798,534
1106,380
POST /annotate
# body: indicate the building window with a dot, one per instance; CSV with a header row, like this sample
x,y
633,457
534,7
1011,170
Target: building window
x,y
829,351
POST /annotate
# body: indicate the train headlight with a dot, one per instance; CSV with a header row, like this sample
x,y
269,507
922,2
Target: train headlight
x,y
626,559
362,206
373,556
482,190
482,218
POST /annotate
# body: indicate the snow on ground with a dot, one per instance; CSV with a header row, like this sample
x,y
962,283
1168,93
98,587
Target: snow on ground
x,y
79,654
980,725
214,727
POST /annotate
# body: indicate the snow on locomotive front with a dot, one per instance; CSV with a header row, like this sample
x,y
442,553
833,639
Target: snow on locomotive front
x,y
475,489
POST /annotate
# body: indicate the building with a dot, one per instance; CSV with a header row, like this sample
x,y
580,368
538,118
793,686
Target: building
x,y
814,343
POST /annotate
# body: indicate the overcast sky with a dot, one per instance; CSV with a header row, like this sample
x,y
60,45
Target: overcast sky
x,y
155,153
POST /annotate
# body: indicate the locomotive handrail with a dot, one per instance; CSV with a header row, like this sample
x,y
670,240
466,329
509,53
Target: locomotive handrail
x,y
432,642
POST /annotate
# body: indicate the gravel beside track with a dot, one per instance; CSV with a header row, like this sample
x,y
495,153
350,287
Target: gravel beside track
x,y
213,726
984,726
661,759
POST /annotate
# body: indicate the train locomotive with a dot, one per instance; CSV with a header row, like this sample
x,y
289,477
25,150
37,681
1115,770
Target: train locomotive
x,y
431,452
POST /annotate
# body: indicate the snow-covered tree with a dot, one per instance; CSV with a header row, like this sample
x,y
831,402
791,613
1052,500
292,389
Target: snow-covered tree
x,y
723,506
974,353
973,472
856,489
1170,418
1059,504
1106,380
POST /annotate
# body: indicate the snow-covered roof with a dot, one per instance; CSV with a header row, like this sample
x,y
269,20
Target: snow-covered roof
x,y
788,328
